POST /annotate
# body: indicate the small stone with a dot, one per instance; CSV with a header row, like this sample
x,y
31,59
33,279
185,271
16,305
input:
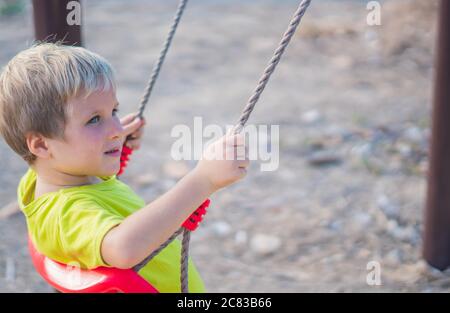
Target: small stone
x,y
387,207
311,117
361,220
145,179
335,132
363,254
370,35
362,150
391,225
414,134
321,158
402,233
241,238
221,228
423,166
335,225
265,244
393,257
10,271
404,149
342,62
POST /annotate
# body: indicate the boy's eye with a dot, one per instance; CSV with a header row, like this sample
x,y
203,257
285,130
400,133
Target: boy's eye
x,y
92,121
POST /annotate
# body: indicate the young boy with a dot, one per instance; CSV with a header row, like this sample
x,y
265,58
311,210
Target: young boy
x,y
58,111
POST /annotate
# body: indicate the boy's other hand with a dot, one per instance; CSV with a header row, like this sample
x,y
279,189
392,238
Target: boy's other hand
x,y
134,128
225,161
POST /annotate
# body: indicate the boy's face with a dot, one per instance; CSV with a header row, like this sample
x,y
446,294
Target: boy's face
x,y
92,129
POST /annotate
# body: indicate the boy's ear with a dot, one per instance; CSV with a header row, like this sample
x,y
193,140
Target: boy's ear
x,y
38,145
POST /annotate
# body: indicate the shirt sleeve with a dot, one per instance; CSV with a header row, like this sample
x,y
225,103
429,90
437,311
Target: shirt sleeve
x,y
83,225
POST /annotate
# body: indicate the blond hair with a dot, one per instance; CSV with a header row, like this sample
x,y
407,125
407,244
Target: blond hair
x,y
36,85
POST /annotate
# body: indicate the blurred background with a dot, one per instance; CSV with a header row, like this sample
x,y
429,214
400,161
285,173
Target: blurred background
x,y
353,103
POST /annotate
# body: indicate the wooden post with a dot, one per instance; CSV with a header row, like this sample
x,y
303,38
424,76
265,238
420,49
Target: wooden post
x,y
436,239
51,24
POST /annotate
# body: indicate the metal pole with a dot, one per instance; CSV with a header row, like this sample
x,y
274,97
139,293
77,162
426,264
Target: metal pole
x,y
50,22
436,239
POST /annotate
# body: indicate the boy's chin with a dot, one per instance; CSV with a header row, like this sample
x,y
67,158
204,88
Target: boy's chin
x,y
109,172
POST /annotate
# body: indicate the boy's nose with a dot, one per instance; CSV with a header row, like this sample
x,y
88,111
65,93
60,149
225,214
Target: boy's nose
x,y
116,130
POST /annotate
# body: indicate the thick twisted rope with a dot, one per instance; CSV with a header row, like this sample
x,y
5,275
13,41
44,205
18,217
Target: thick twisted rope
x,y
162,56
185,260
272,65
144,100
144,262
238,127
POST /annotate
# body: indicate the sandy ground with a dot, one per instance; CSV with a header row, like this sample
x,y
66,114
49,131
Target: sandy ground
x,y
352,102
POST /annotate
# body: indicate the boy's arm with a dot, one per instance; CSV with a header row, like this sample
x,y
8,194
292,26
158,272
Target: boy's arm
x,y
145,230
223,162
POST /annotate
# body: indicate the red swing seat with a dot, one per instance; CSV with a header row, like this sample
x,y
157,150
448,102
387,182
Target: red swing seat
x,y
69,279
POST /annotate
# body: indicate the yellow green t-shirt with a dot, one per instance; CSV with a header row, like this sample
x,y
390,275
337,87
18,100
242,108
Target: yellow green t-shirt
x,y
69,225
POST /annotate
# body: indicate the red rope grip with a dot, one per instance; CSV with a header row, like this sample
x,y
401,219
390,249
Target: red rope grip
x,y
192,221
124,158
